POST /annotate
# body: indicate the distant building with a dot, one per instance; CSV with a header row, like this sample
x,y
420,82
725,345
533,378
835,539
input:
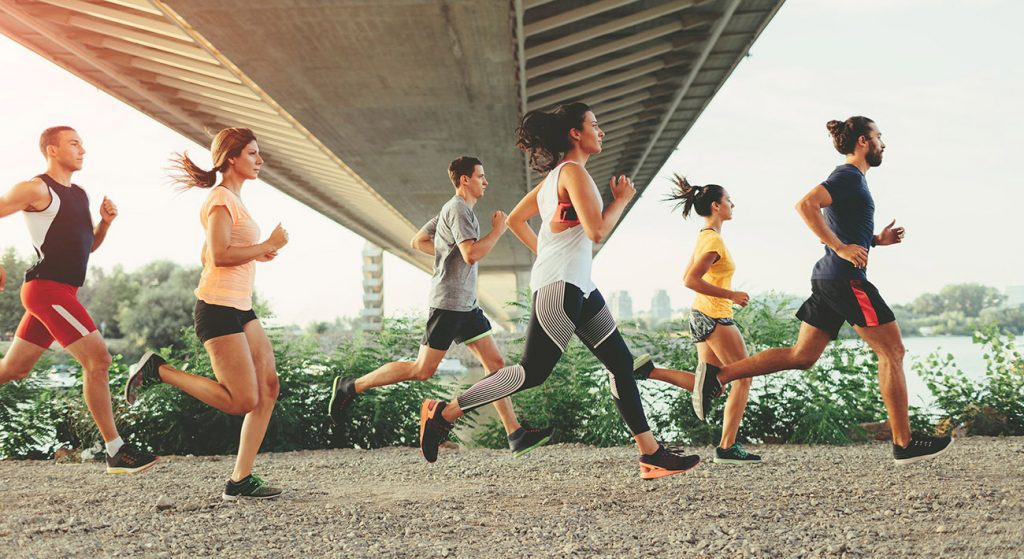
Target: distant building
x,y
372,315
621,305
1014,295
661,307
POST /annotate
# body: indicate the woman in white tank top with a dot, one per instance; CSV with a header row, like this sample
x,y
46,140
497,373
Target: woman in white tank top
x,y
565,300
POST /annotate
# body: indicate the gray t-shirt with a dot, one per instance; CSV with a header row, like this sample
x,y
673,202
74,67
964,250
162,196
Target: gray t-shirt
x,y
453,286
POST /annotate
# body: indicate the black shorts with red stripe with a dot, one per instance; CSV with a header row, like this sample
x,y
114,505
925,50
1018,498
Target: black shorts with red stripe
x,y
834,302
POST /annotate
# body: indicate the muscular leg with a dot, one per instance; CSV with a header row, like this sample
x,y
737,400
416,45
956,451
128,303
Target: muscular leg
x,y
810,344
400,371
91,352
486,351
887,343
19,360
235,390
725,345
254,427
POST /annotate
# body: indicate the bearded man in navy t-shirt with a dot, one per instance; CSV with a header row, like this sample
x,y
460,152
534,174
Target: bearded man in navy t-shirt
x,y
841,213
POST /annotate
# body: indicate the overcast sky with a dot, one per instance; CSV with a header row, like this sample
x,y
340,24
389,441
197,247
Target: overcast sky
x,y
943,80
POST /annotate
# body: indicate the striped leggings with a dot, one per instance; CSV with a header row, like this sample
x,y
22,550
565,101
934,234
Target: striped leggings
x,y
559,311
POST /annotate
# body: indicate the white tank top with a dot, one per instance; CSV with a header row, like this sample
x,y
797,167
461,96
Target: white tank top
x,y
565,256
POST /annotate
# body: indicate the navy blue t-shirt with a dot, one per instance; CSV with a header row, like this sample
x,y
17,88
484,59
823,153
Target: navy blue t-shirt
x,y
851,217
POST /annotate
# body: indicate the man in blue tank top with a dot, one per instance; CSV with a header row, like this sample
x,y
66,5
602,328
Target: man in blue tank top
x,y
841,212
57,213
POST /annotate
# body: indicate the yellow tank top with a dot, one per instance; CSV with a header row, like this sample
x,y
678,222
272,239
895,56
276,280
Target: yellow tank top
x,y
719,274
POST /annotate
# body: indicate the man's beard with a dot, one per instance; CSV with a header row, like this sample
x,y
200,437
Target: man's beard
x,y
874,158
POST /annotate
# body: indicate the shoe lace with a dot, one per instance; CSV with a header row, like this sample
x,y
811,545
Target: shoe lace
x,y
257,481
739,450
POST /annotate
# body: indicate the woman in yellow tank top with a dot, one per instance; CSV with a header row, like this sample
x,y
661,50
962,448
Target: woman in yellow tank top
x,y
240,352
712,329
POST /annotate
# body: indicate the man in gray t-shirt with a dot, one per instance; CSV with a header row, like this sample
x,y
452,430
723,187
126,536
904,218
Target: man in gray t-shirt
x,y
453,239
453,285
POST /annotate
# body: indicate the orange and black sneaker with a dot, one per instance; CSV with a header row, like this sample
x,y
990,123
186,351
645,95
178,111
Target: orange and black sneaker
x,y
130,460
664,463
433,428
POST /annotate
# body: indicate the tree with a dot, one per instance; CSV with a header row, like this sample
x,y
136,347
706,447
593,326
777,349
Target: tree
x,y
163,306
11,310
104,294
970,298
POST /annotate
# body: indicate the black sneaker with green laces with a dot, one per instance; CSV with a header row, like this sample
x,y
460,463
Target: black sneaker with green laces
x,y
251,486
735,454
524,440
130,460
343,391
921,447
145,372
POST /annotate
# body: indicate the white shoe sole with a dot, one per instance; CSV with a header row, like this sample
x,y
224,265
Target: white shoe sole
x,y
133,373
697,398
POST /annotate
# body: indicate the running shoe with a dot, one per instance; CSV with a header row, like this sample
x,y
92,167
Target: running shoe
x,y
921,447
343,391
705,388
525,440
735,454
145,372
251,486
664,463
130,460
433,428
643,364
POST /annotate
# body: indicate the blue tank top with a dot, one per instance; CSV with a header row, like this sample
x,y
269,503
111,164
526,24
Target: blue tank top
x,y
62,235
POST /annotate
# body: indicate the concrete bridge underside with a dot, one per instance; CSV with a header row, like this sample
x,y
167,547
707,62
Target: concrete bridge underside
x,y
359,105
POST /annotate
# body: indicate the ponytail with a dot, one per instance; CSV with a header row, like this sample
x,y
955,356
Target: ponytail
x,y
187,174
692,197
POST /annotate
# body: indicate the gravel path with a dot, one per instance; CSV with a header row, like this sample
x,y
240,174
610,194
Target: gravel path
x,y
561,501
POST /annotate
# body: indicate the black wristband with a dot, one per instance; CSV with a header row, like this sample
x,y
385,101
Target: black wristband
x,y
874,240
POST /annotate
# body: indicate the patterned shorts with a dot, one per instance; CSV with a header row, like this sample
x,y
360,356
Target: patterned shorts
x,y
702,325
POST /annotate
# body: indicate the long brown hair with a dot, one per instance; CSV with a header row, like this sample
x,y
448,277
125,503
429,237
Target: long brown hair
x,y
226,144
545,136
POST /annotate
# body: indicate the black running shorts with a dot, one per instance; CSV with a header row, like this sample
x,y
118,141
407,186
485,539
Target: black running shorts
x,y
445,327
834,302
214,321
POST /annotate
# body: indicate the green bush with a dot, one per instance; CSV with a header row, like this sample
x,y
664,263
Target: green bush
x,y
38,419
992,407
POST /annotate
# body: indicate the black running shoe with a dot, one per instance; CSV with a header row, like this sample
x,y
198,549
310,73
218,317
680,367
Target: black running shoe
x,y
921,447
525,440
251,486
642,366
705,388
130,460
433,428
664,463
735,454
145,372
343,392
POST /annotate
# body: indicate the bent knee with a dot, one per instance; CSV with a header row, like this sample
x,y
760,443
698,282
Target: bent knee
x,y
244,402
99,365
424,372
893,353
270,388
